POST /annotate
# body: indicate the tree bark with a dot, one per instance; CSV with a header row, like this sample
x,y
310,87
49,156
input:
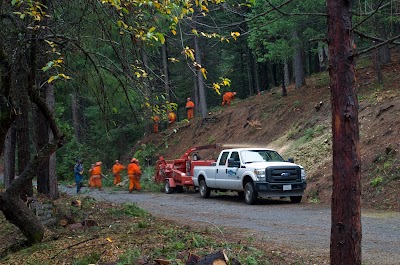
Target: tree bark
x,y
250,78
346,191
53,183
76,115
166,70
256,76
298,62
286,75
200,80
17,213
9,156
23,140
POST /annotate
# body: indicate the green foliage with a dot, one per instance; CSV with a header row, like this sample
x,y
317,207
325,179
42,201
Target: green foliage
x,y
385,167
129,257
66,159
146,152
314,196
92,258
310,133
128,209
376,181
147,181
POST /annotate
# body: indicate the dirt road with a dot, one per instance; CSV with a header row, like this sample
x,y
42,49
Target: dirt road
x,y
302,228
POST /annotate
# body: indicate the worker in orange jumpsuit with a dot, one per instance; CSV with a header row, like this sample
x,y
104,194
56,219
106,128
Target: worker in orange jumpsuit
x,y
156,120
116,170
190,108
134,174
91,176
171,118
97,176
227,98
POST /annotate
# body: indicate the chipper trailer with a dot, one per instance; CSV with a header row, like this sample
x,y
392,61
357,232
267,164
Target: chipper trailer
x,y
178,173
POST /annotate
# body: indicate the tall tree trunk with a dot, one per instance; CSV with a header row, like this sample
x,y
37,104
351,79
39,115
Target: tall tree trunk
x,y
166,70
376,60
76,115
286,74
298,62
200,80
53,183
284,91
9,156
346,191
256,76
41,139
250,78
22,123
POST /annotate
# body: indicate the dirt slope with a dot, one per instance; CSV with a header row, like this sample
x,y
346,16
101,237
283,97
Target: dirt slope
x,y
293,126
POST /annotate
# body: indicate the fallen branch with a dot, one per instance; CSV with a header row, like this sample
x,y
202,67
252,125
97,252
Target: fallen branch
x,y
73,245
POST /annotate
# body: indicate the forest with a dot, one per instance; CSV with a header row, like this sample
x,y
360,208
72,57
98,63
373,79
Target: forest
x,y
83,79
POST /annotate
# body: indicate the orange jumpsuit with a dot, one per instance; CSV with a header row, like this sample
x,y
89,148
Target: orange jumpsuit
x,y
116,170
171,118
91,176
227,98
96,177
156,120
190,109
134,174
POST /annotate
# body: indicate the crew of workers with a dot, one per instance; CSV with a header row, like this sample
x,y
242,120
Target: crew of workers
x,y
133,169
227,99
96,175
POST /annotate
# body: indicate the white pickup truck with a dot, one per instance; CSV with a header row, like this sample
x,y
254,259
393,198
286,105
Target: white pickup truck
x,y
253,173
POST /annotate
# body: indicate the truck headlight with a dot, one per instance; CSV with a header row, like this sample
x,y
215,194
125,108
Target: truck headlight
x,y
303,174
260,174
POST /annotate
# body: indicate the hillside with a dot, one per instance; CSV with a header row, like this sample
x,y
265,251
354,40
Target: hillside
x,y
293,126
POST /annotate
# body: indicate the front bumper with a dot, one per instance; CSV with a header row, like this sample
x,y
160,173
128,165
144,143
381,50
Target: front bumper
x,y
267,189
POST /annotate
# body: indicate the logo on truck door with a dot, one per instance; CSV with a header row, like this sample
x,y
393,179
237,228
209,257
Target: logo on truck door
x,y
231,172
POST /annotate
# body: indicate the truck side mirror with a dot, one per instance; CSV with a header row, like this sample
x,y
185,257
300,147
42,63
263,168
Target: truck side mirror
x,y
290,160
233,163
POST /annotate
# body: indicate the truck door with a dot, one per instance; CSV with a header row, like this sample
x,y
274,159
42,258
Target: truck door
x,y
227,176
220,168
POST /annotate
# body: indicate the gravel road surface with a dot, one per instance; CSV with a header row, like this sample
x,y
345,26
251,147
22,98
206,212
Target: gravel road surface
x,y
303,227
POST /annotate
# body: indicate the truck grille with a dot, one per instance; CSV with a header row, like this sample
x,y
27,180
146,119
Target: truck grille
x,y
283,174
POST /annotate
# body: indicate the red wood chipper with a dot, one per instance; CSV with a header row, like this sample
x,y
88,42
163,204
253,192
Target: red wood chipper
x,y
178,173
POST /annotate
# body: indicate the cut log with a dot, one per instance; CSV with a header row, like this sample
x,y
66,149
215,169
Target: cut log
x,y
217,258
162,262
89,223
192,259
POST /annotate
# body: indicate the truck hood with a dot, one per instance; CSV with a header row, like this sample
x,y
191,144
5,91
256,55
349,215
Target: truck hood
x,y
269,164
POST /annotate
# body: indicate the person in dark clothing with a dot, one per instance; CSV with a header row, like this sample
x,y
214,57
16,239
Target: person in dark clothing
x,y
78,172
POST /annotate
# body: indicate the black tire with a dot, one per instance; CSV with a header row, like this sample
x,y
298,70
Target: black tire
x,y
296,199
250,194
167,188
204,190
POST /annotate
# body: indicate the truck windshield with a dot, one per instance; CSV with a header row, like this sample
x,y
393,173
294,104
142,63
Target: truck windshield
x,y
252,156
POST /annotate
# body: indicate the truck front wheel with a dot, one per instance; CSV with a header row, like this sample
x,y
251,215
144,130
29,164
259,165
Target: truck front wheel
x,y
204,190
296,199
250,195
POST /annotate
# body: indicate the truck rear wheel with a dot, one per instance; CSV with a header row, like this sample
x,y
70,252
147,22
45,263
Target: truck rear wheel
x,y
250,194
204,190
296,199
167,188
